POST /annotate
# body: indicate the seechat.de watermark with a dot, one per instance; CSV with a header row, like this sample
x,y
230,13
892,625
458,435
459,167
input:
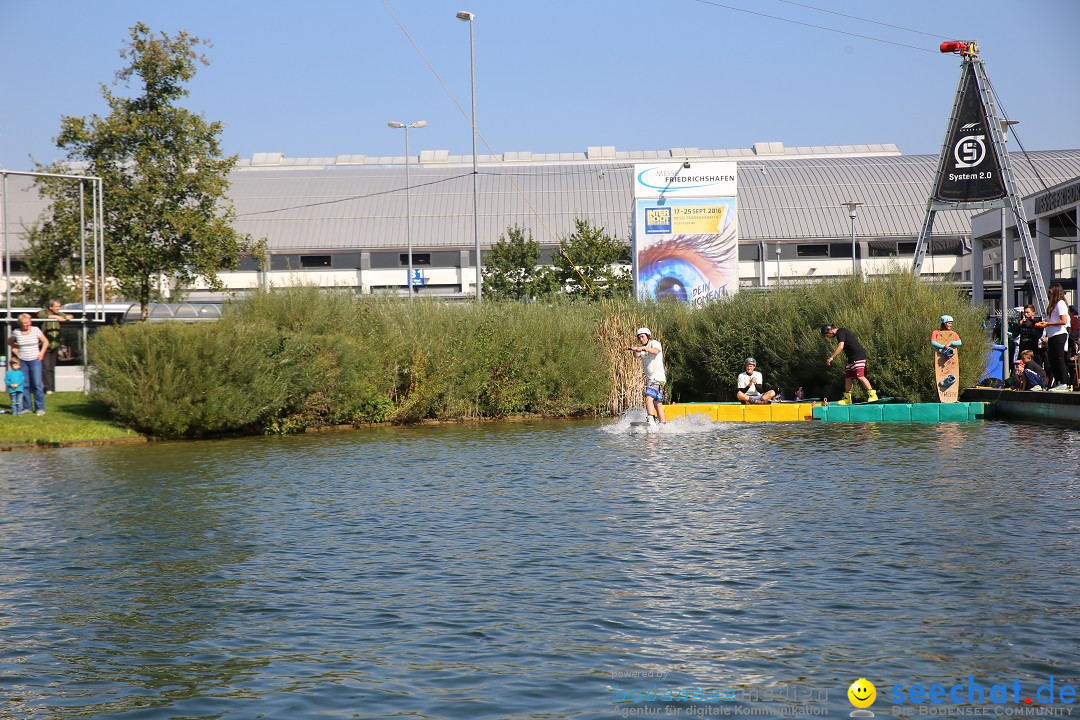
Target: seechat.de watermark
x,y
969,698
974,692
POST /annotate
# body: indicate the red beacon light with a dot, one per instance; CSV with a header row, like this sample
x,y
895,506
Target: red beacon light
x,y
959,46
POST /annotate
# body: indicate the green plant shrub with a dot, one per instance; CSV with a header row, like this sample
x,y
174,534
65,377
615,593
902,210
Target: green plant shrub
x,y
892,315
178,380
302,357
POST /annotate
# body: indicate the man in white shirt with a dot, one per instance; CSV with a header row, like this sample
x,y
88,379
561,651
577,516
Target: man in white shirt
x,y
750,384
652,362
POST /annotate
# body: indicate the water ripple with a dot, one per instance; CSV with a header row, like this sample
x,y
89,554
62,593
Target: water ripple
x,y
523,570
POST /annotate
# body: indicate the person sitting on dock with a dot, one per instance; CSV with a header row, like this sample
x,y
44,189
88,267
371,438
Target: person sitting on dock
x,y
856,357
1024,377
749,385
1031,365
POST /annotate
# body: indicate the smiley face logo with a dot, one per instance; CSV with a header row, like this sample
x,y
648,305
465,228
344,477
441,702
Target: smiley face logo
x,y
862,693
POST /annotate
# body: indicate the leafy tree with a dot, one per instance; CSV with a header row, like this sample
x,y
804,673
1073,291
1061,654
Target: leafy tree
x,y
598,258
165,179
512,270
52,264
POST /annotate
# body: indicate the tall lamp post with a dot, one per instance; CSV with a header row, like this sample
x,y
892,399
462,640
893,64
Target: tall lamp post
x,y
1006,264
408,211
466,16
852,211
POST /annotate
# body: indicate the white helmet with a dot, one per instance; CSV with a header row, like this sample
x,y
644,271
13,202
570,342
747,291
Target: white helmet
x,y
644,331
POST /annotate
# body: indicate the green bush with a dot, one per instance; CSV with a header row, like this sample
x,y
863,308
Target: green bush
x,y
299,358
176,380
892,315
302,357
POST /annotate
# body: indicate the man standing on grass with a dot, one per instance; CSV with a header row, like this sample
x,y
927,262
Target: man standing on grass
x,y
856,361
51,328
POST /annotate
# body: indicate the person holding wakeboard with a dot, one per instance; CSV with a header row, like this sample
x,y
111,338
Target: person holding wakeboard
x,y
946,343
651,353
856,361
944,340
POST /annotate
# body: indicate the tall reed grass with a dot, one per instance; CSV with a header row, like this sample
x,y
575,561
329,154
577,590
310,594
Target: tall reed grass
x,y
892,315
302,357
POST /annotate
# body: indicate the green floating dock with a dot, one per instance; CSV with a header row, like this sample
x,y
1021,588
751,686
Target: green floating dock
x,y
903,412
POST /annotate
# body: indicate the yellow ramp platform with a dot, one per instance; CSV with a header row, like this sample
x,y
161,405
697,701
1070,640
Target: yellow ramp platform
x,y
737,412
798,412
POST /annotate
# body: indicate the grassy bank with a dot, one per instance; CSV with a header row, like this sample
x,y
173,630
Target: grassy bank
x,y
70,417
302,358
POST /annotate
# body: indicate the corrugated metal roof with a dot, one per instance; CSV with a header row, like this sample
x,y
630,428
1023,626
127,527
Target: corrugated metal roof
x,y
779,199
801,199
328,204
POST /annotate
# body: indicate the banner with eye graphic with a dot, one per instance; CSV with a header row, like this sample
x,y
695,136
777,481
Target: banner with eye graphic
x,y
686,238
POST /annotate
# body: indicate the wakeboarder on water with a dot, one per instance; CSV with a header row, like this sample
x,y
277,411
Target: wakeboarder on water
x,y
651,353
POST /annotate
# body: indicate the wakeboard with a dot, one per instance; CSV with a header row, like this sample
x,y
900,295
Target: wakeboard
x,y
946,369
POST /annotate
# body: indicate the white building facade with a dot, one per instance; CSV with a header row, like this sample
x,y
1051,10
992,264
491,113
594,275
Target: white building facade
x,y
341,222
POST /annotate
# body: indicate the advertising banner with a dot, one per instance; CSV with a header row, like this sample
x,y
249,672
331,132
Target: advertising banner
x,y
971,171
685,230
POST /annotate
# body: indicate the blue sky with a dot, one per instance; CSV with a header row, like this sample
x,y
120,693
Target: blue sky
x,y
323,77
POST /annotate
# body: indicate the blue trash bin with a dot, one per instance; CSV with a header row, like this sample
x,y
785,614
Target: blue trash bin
x,y
996,366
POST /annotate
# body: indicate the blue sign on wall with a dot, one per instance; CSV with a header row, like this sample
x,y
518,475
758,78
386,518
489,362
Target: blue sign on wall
x,y
418,277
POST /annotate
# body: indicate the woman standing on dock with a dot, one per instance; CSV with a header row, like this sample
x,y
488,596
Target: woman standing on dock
x,y
1057,334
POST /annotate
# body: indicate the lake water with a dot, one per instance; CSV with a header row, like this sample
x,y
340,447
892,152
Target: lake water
x,y
540,570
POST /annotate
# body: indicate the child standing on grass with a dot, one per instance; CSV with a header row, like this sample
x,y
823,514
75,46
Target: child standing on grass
x,y
14,382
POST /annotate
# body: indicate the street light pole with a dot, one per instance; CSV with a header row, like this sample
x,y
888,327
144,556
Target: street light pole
x,y
1006,262
777,265
466,16
408,211
852,209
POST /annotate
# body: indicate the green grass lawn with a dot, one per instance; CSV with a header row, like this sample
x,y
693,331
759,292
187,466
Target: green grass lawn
x,y
69,417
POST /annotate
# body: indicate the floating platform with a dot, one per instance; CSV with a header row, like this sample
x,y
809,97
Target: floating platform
x,y
737,412
903,412
1027,405
800,412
